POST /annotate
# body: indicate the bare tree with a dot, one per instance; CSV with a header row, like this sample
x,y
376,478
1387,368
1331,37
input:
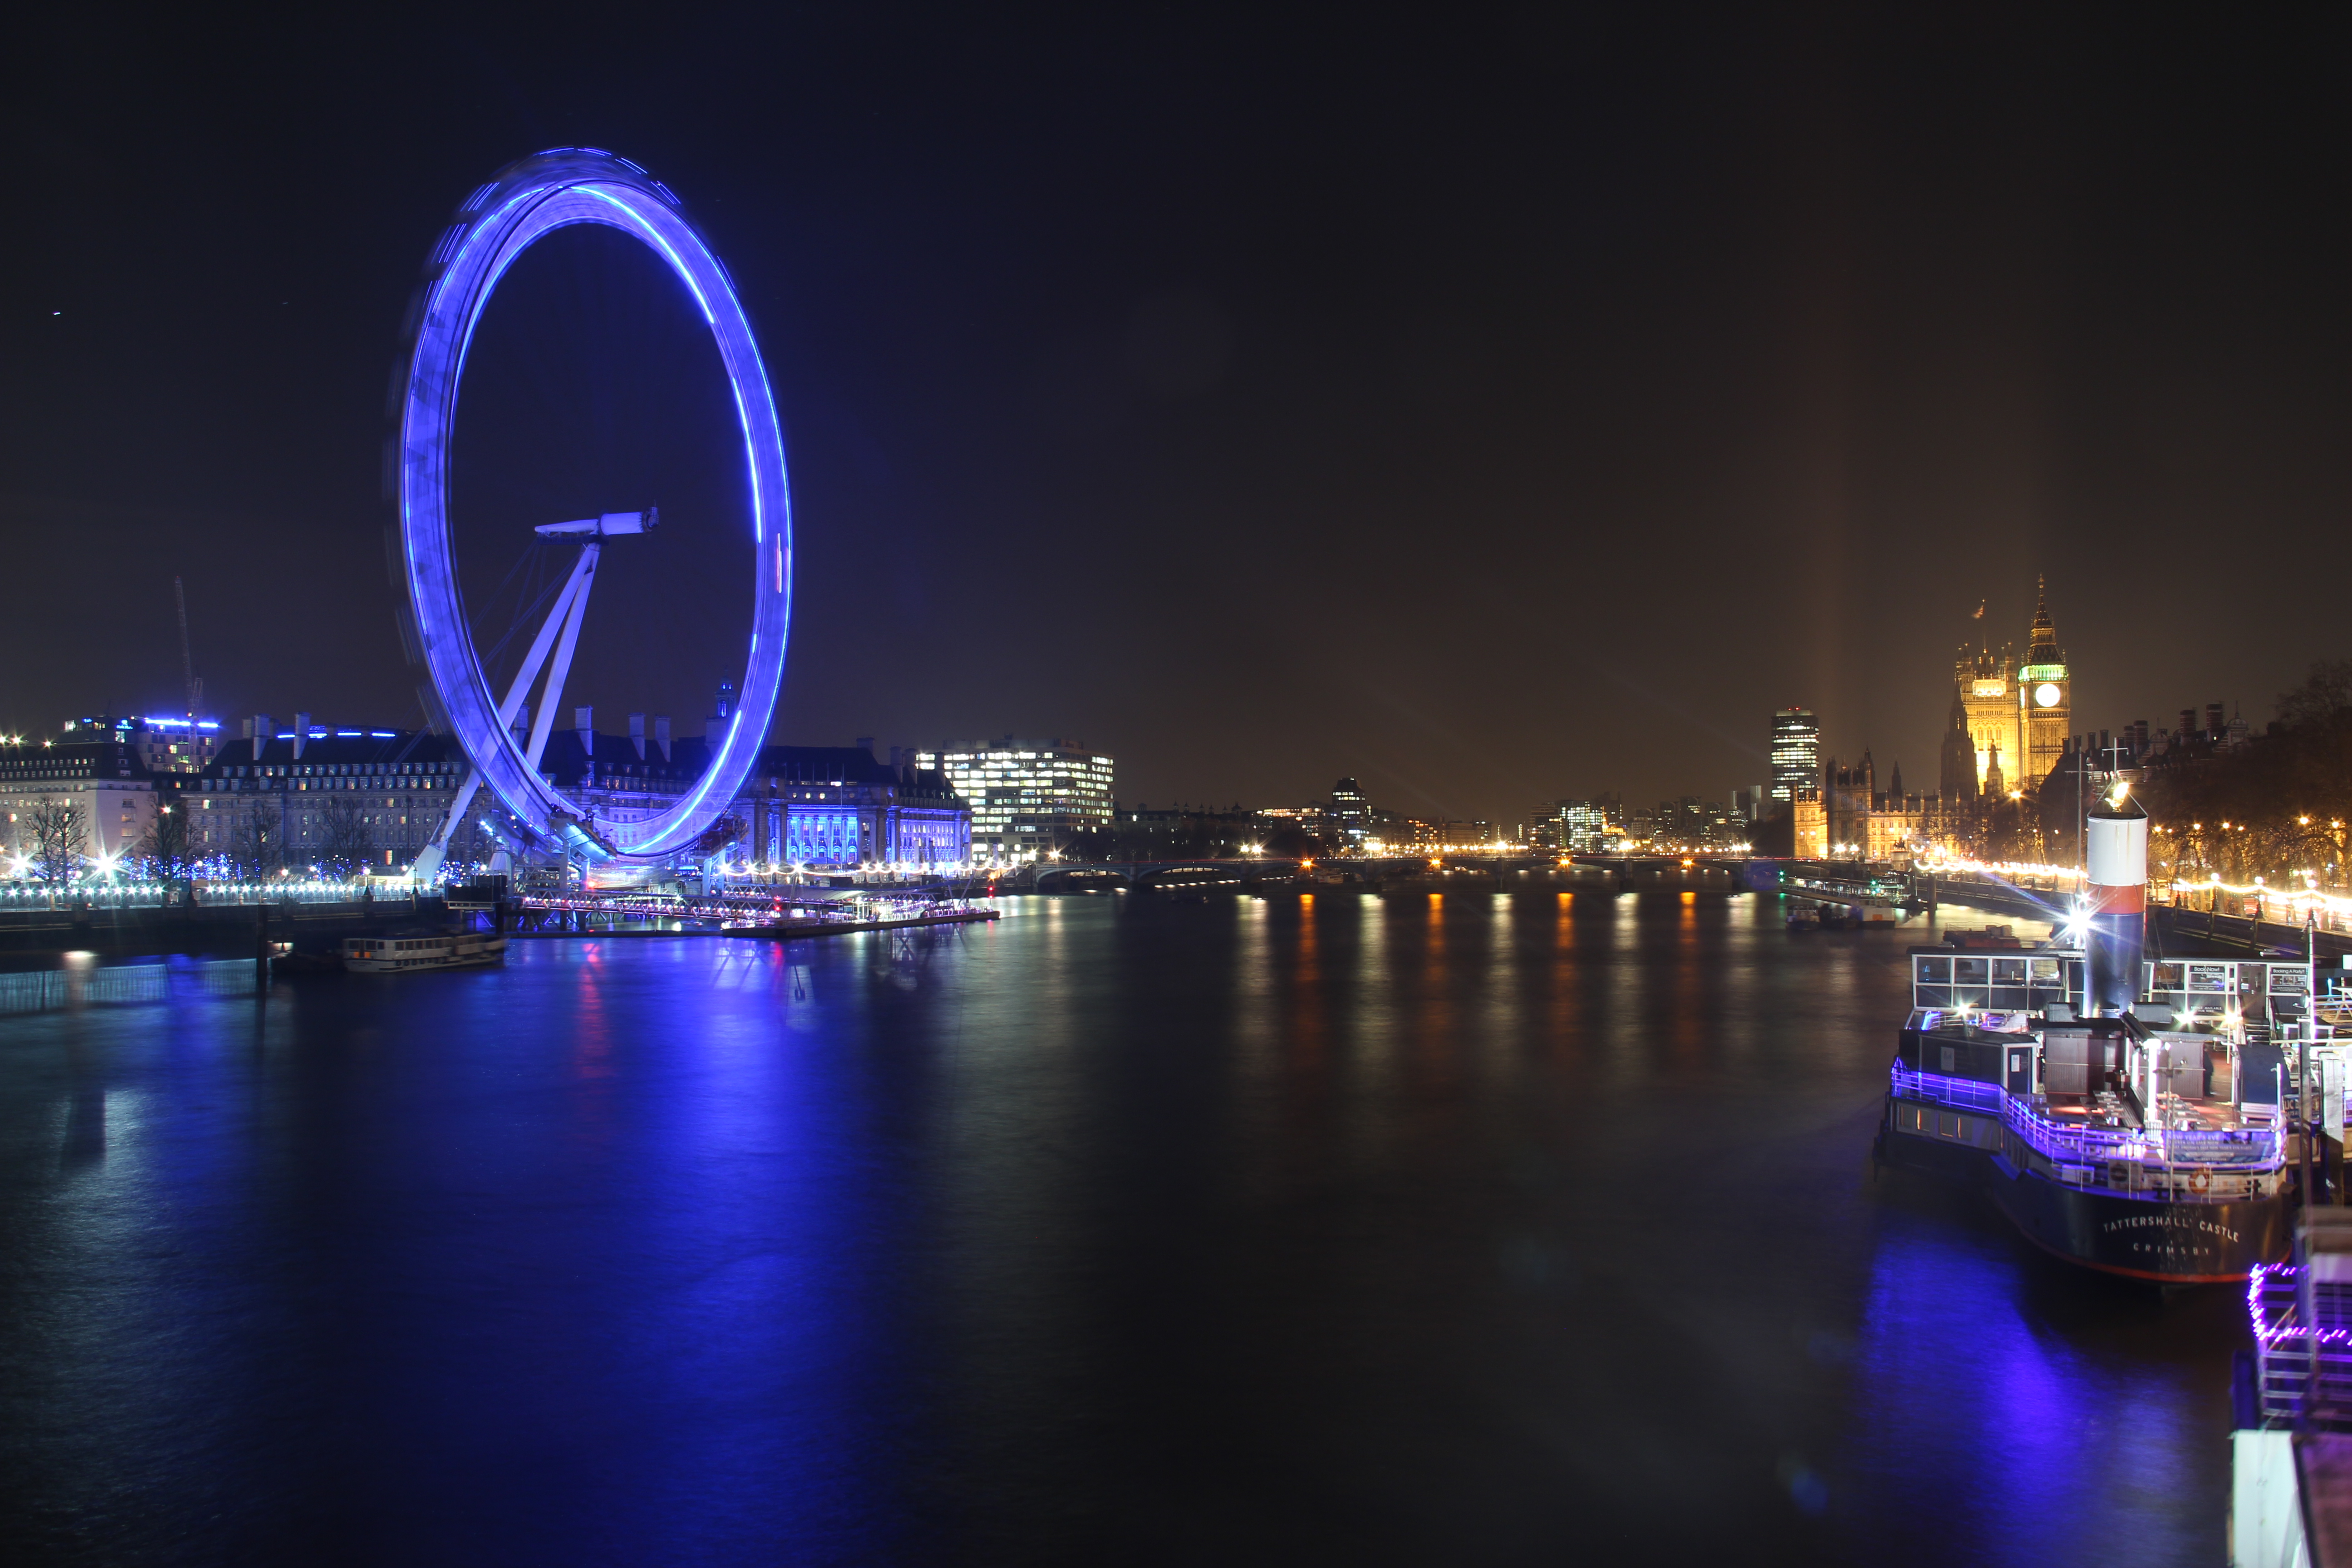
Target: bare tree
x,y
2325,697
57,838
166,847
257,846
345,835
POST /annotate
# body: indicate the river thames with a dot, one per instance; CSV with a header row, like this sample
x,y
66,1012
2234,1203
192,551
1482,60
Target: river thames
x,y
1450,1229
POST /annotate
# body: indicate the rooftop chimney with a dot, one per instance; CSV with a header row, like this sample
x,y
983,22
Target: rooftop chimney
x,y
261,731
301,733
661,735
637,734
583,722
522,726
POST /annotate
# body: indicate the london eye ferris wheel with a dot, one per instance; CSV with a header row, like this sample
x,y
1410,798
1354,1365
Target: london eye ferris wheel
x,y
525,203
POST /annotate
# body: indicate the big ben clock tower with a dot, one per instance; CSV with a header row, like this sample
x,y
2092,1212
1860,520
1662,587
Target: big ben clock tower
x,y
2045,696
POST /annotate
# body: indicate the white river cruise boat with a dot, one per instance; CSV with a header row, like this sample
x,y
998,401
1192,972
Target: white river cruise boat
x,y
402,954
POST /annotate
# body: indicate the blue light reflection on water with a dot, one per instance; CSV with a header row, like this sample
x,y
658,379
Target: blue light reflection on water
x,y
2046,1414
1411,1230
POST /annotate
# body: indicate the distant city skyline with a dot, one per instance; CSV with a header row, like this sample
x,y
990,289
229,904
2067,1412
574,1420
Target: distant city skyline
x,y
1579,406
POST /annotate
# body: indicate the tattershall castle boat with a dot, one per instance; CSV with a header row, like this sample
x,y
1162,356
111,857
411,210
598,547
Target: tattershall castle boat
x,y
2129,1115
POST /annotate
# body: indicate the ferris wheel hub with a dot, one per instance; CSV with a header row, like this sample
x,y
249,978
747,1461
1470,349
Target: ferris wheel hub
x,y
604,527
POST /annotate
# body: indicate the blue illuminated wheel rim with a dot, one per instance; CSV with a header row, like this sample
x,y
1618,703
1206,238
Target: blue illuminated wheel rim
x,y
526,202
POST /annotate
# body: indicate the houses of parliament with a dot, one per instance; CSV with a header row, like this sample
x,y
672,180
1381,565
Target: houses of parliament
x,y
2008,730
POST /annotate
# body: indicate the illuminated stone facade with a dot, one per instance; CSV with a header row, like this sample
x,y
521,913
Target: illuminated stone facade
x,y
2045,700
1812,831
1987,688
2016,710
105,779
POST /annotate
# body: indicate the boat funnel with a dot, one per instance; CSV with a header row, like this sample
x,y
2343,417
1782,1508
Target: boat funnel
x,y
2115,924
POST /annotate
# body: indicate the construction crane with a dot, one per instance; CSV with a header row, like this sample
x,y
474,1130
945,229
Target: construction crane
x,y
187,665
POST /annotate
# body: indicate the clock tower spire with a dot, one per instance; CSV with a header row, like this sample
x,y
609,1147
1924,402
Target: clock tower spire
x,y
2045,695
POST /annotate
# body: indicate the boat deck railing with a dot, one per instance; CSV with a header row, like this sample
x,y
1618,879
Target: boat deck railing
x,y
2025,1116
1960,1093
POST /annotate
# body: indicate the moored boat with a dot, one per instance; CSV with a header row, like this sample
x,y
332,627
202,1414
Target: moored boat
x,y
2119,1114
407,954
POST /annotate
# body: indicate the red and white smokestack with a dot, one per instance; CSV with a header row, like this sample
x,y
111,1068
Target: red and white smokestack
x,y
2116,927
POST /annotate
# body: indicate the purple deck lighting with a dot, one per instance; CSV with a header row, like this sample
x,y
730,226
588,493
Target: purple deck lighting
x,y
527,201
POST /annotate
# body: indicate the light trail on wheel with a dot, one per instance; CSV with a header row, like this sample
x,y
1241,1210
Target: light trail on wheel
x,y
526,202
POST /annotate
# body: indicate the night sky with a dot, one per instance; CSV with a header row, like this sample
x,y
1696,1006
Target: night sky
x,y
1495,409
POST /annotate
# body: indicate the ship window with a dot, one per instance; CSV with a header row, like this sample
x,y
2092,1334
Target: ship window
x,y
2009,971
2168,978
1934,971
1972,996
2287,980
1934,997
2209,977
1969,971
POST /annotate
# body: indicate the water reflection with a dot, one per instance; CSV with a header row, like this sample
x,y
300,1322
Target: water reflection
x,y
1458,1228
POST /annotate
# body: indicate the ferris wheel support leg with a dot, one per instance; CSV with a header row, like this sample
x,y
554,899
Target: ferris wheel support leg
x,y
583,576
571,605
428,863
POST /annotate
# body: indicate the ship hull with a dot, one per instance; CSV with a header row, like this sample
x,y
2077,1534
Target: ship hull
x,y
486,955
1937,1141
2138,1238
2142,1238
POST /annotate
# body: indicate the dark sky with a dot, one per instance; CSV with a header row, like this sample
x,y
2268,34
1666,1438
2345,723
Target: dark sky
x,y
1495,405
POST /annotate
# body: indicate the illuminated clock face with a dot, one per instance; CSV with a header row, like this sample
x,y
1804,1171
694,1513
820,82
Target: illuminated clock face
x,y
2046,695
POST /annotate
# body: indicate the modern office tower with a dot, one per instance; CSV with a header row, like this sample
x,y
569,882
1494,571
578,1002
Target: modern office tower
x,y
1577,826
1351,815
2045,702
1028,798
1796,752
